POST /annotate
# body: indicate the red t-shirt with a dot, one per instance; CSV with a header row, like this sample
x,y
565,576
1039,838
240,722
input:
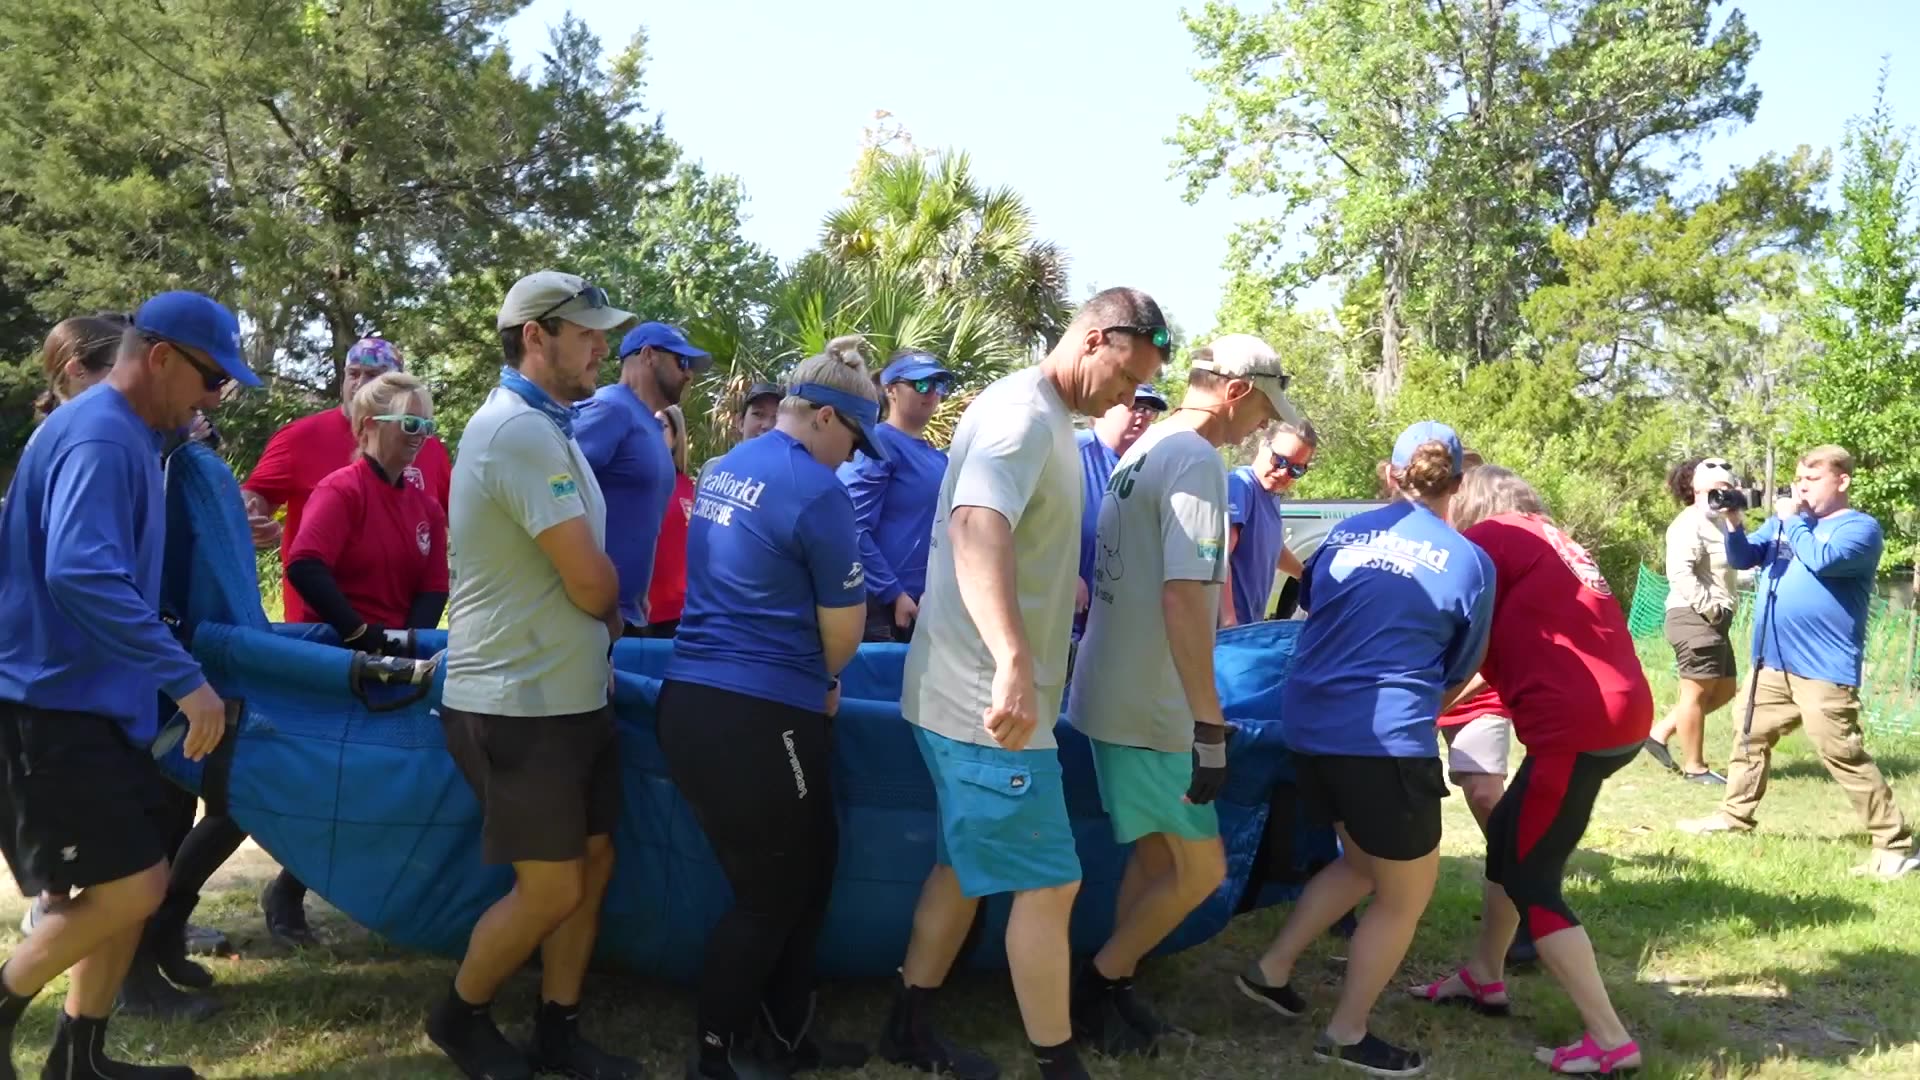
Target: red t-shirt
x,y
1485,703
307,451
1559,652
667,594
385,543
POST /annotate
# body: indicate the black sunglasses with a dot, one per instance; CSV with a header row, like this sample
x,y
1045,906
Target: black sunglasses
x,y
213,379
1287,465
594,295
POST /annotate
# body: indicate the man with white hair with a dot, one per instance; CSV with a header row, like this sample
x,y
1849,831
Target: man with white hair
x,y
1143,690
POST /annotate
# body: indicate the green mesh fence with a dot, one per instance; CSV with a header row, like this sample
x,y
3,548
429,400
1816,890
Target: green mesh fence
x,y
1890,694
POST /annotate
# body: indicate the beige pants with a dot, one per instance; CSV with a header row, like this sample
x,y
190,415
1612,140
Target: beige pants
x,y
1831,715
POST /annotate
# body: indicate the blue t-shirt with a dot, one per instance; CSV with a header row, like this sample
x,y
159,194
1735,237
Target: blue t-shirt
x,y
627,450
893,504
1256,554
1399,606
772,537
84,529
1097,460
1822,585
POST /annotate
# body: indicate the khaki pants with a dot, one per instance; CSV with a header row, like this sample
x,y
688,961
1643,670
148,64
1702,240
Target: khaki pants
x,y
1831,714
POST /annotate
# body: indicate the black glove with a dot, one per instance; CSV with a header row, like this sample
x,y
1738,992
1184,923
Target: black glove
x,y
372,640
1209,763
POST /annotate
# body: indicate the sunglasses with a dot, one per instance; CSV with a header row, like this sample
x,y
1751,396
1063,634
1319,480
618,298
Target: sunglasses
x,y
928,385
594,295
410,424
213,379
1287,465
1716,463
1161,337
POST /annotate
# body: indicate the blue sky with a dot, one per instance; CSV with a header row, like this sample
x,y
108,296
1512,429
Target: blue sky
x,y
1070,102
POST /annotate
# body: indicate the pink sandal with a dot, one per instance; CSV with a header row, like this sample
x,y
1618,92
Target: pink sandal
x,y
1605,1062
1475,998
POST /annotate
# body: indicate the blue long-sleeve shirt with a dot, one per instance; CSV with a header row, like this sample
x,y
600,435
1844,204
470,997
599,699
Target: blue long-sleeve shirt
x,y
85,531
893,504
1822,586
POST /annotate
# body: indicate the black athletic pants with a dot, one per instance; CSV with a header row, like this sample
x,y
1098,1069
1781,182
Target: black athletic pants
x,y
756,773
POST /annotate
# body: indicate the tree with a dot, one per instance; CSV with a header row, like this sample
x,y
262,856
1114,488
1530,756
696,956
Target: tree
x,y
1431,145
1863,316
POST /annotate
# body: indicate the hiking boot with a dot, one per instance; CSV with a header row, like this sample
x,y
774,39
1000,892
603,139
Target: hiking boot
x,y
283,902
147,993
470,1040
1281,999
910,1041
1372,1055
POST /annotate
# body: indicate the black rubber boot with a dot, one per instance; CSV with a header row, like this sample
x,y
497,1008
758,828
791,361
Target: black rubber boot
x,y
165,938
284,903
80,1053
12,1007
147,993
806,1048
909,1040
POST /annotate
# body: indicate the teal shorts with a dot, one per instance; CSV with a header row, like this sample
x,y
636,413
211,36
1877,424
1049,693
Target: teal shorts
x,y
1145,792
1003,816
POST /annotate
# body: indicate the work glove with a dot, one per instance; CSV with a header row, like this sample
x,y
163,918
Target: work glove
x,y
1209,763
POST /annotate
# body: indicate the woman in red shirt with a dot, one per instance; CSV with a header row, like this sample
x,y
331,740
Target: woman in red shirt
x,y
1561,658
667,594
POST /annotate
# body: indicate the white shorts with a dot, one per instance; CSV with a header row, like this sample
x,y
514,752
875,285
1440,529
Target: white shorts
x,y
1478,746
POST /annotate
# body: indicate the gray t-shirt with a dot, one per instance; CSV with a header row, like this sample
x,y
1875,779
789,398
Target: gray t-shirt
x,y
1013,452
1164,518
516,646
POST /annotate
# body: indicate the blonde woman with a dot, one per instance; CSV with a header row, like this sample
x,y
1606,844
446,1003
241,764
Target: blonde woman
x,y
776,603
667,595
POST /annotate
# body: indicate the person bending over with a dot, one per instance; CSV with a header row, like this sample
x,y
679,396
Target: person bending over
x,y
527,709
776,601
1398,609
84,661
1143,690
1701,599
894,496
1100,448
986,671
1809,630
1257,536
1562,659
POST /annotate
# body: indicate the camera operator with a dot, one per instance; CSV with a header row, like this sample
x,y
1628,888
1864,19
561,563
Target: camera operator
x,y
1700,606
1810,626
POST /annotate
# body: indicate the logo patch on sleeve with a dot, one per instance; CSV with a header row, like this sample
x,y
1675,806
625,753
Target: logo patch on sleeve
x,y
562,485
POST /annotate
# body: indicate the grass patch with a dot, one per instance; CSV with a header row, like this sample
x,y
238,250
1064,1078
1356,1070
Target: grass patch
x,y
1749,956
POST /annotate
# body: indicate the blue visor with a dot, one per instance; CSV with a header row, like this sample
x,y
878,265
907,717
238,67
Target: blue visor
x,y
864,414
914,366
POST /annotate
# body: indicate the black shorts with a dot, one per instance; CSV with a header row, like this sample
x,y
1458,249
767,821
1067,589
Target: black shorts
x,y
1390,806
1702,648
83,805
545,783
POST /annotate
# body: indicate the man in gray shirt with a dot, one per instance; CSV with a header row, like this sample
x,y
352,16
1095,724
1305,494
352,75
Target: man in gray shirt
x,y
531,621
1143,690
986,671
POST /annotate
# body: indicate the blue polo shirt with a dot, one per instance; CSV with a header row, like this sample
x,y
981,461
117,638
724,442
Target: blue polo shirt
x,y
893,505
772,538
1821,582
1256,554
84,526
627,450
1399,606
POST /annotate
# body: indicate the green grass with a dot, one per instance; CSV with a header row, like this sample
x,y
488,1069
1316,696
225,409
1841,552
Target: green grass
x,y
1728,957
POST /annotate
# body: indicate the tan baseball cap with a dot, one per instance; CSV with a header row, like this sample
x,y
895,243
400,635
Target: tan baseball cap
x,y
1243,356
551,294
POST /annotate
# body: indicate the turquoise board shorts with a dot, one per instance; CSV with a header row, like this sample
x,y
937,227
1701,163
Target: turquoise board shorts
x,y
1145,791
1003,816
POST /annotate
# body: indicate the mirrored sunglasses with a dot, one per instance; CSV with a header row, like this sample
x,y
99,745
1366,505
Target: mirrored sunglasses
x,y
409,423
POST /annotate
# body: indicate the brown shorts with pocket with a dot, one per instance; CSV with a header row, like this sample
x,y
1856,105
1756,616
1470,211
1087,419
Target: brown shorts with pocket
x,y
545,783
1702,648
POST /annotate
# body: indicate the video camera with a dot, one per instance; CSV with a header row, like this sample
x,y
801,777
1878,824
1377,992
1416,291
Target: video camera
x,y
1724,499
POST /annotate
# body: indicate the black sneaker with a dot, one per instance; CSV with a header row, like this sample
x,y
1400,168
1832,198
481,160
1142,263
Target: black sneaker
x,y
807,1050
929,1053
1142,1016
1371,1055
577,1059
286,917
1705,776
474,1045
1522,953
80,1053
1280,999
147,993
1100,1026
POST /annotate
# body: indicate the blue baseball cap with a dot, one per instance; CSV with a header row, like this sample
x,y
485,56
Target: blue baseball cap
x,y
201,322
864,414
1420,434
1145,394
659,335
915,366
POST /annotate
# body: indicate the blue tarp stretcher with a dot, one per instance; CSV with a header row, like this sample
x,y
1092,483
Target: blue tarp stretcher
x,y
343,777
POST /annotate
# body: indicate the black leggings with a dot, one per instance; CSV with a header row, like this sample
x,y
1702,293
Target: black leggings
x,y
757,774
1537,824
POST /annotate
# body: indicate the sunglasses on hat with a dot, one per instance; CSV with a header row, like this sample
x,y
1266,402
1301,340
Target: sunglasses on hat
x,y
1161,337
594,295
